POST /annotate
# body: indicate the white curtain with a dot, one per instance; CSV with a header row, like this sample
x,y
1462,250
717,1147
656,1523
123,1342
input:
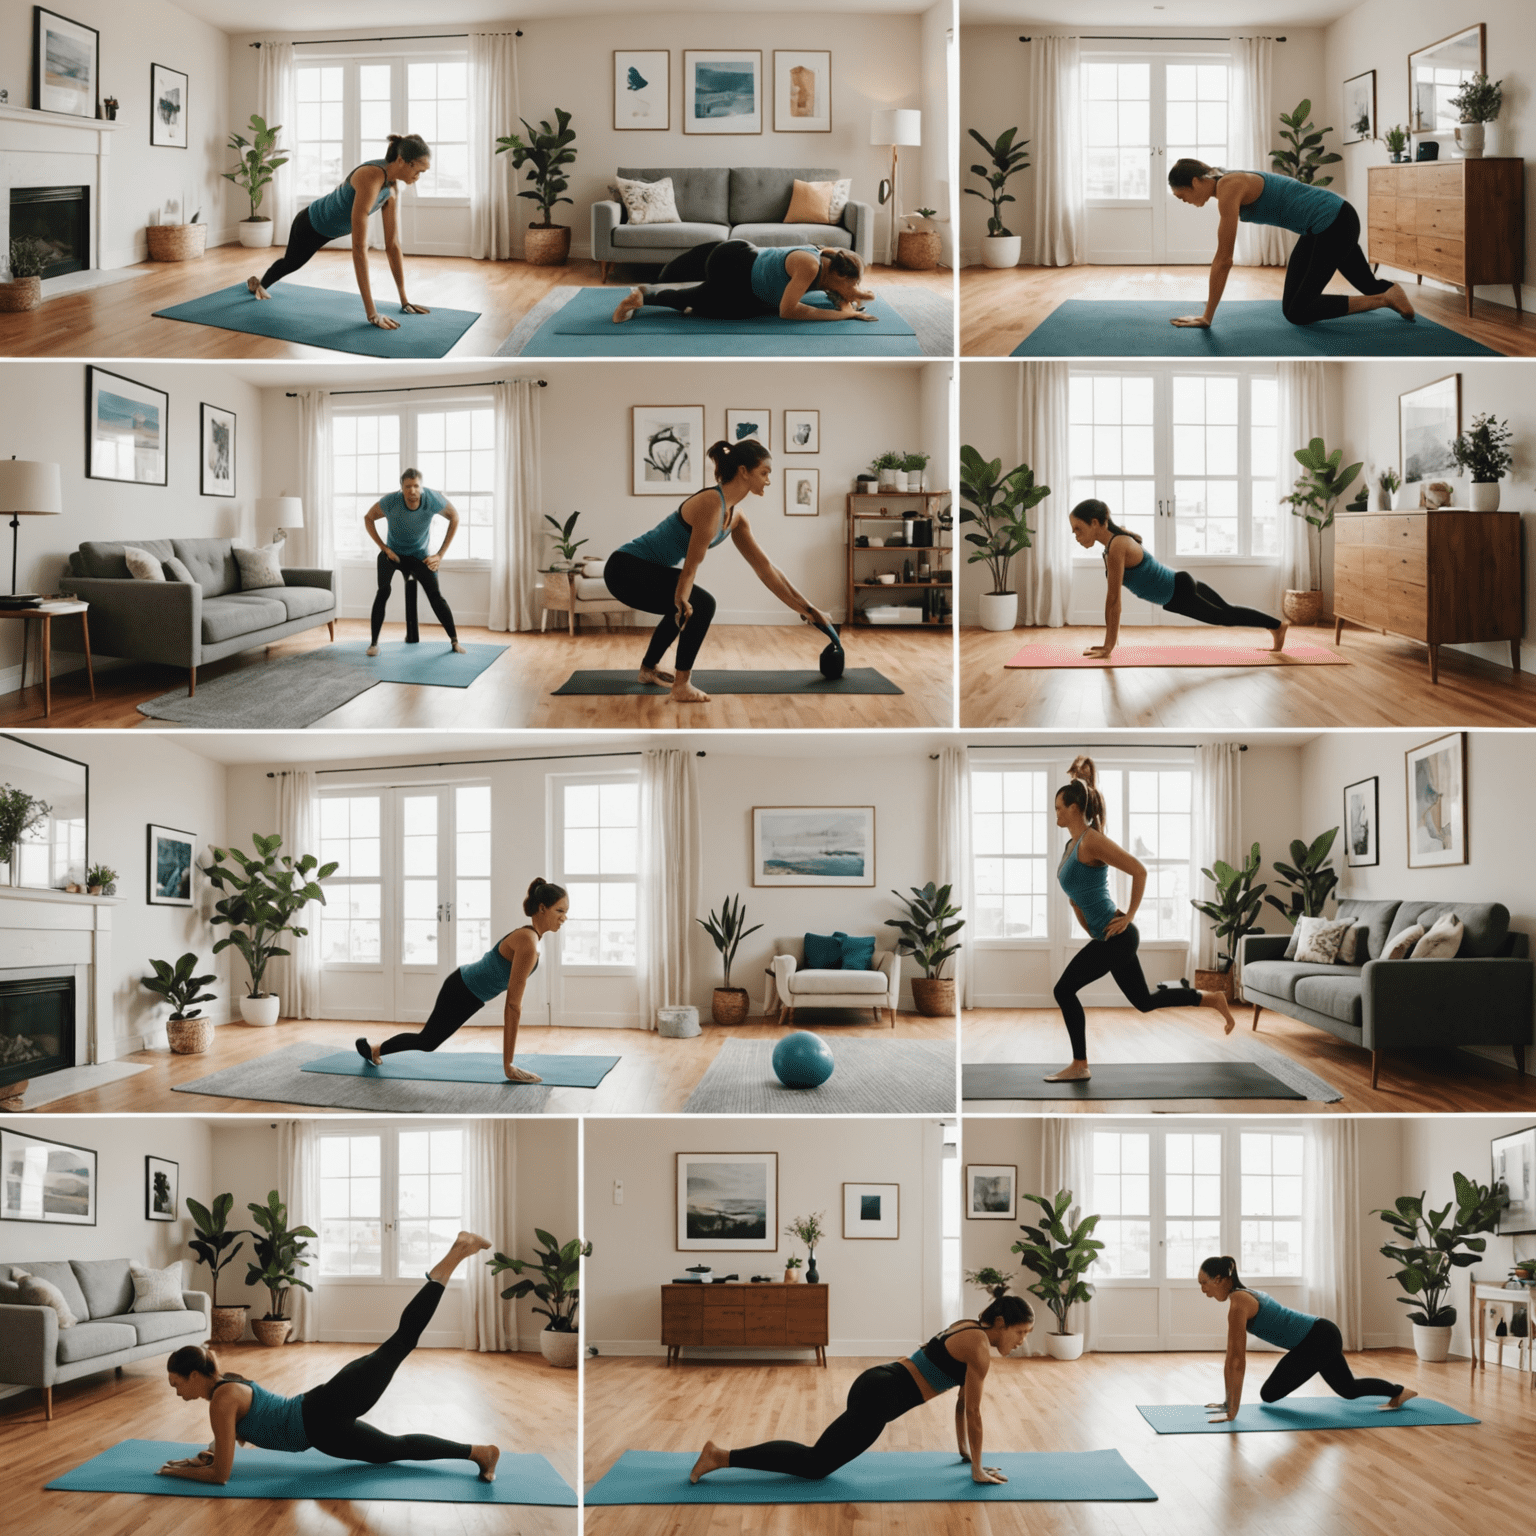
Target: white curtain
x,y
669,879
1252,123
1043,573
298,1187
296,979
490,1175
1066,1162
277,96
955,855
315,477
515,564
1303,416
1218,829
492,115
1331,1239
1055,139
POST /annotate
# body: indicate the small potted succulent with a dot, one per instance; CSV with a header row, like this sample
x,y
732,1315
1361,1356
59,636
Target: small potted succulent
x,y
727,928
1387,483
1477,103
888,467
915,467
1396,140
1483,452
917,247
547,154
24,290
101,880
792,1269
187,1031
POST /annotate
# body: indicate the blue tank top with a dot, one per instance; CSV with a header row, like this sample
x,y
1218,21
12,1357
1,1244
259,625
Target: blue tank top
x,y
1277,1324
1088,888
769,275
1151,580
488,976
273,1422
331,215
938,1367
667,543
1293,205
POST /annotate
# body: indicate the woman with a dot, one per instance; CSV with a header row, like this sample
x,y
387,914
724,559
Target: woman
x,y
1312,1345
735,281
1127,564
373,185
1084,875
1328,226
328,1417
645,574
505,967
957,1357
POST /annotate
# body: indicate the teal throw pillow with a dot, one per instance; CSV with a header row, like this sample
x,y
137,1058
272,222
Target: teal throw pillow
x,y
824,952
857,953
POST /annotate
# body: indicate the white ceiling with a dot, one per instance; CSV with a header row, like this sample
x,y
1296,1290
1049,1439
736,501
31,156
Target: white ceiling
x,y
1214,17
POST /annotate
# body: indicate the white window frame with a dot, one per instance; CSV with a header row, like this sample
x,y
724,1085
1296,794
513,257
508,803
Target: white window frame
x,y
555,820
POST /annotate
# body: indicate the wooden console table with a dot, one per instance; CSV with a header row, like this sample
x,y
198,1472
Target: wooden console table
x,y
766,1316
1488,1293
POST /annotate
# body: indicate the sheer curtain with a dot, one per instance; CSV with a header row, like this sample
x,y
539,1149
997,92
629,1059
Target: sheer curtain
x,y
296,979
515,564
1056,140
492,115
298,1187
1218,828
490,1181
955,854
1066,1162
669,879
1331,1236
1043,573
315,477
1258,245
1303,416
277,96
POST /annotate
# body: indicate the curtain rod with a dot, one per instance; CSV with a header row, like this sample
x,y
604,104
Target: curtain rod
x,y
409,389
1023,746
471,762
421,37
1115,37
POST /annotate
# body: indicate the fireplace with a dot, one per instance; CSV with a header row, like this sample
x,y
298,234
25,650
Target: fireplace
x,y
61,218
37,1026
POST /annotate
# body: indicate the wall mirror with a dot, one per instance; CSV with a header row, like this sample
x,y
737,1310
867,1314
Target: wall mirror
x,y
1438,72
52,854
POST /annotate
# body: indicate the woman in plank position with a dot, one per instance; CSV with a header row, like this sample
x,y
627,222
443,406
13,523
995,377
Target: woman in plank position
x,y
329,1417
505,967
960,1357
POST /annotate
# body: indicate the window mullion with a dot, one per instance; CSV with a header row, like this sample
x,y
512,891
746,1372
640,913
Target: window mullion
x,y
1244,463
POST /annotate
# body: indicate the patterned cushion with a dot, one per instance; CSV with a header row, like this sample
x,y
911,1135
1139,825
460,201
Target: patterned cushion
x,y
1355,950
1377,917
142,566
1318,939
1402,943
259,568
702,193
36,1292
648,202
157,1290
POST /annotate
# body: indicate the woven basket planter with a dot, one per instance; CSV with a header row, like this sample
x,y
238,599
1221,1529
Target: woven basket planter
x,y
934,996
1224,982
190,1037
271,1331
917,250
177,242
1302,607
21,293
228,1325
729,1005
547,247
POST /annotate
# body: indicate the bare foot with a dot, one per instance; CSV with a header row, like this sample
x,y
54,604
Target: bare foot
x,y
458,646
1398,1401
683,692
464,1244
1277,642
1398,300
521,1075
373,650
1219,1003
1078,1072
711,1459
485,1457
657,675
253,286
632,301
369,1053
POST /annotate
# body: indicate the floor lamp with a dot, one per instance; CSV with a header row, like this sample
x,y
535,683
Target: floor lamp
x,y
895,126
27,489
279,513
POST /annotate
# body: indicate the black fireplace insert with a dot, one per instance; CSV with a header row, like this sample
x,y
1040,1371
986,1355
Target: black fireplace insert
x,y
37,1026
61,218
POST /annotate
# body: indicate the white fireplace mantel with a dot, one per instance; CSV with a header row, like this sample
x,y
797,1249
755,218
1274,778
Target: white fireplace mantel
x,y
54,149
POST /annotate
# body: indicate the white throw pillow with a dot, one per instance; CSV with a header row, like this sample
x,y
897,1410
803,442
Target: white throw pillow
x,y
42,1293
259,568
1401,945
178,572
593,567
1442,941
1355,950
648,202
142,565
841,191
1318,939
157,1290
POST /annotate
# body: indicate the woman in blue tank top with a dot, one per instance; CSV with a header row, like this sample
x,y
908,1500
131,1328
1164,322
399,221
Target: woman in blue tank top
x,y
504,968
1313,1346
1329,229
344,211
327,1418
1128,564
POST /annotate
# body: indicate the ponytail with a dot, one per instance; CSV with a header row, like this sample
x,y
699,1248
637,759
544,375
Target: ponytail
x,y
1094,511
1183,173
541,893
1223,1267
730,458
842,263
406,146
1082,790
193,1360
1010,1311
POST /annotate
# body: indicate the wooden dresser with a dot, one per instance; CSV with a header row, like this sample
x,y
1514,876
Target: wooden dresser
x,y
1445,578
1462,221
769,1316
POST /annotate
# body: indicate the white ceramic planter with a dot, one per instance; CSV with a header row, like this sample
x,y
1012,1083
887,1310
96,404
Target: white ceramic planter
x,y
1406,497
1431,1344
999,610
560,1349
1002,250
893,479
1483,496
1064,1346
1469,140
255,233
260,1010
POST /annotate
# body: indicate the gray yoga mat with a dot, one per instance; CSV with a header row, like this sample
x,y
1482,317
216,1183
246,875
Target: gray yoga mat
x,y
1116,1080
871,1077
854,680
466,1067
283,695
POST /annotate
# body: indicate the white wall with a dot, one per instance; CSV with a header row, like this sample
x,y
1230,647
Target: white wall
x,y
547,1152
940,59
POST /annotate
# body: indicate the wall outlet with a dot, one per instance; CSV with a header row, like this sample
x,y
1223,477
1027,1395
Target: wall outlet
x,y
618,1191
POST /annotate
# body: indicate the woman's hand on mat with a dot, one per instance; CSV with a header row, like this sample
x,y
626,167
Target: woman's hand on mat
x,y
1117,924
1196,320
383,322
1224,1415
413,309
1100,652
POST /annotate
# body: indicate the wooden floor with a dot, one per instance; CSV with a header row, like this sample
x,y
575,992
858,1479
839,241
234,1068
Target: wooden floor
x,y
1420,1082
1386,684
998,309
118,320
515,692
1356,1482
516,1401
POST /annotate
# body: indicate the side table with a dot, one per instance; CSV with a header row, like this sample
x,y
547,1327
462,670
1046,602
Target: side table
x,y
45,614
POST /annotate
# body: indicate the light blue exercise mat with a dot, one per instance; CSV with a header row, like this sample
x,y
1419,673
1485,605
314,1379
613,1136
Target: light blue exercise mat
x,y
432,661
1302,1413
131,1467
467,1067
325,317
879,1477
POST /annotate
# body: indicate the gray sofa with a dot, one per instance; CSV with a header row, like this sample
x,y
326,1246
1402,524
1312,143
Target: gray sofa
x,y
188,625
723,203
108,1333
1481,997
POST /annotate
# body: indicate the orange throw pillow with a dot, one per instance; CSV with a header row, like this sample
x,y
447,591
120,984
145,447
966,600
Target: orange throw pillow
x,y
811,203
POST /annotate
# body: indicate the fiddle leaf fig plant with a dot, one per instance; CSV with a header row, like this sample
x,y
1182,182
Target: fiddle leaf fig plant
x,y
1005,159
1305,156
280,1251
1314,493
998,505
926,929
558,1267
1309,876
546,154
1238,903
1431,1245
1059,1252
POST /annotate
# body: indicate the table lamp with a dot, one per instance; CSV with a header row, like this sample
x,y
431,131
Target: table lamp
x,y
280,513
894,126
27,489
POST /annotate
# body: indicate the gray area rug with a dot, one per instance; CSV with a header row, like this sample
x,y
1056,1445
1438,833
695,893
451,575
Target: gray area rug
x,y
279,1078
551,304
872,1077
284,695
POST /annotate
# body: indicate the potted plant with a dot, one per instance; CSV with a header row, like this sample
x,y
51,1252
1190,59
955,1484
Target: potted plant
x,y
101,880
917,246
1059,1252
1309,876
730,1004
1396,140
1430,1246
24,289
212,1246
1312,498
1234,913
792,1270
558,1267
810,1231
1387,483
20,813
925,934
1001,247
260,158
547,153
1483,452
888,469
267,894
189,1033
1306,156
915,466
280,1251
561,538
997,505
1477,104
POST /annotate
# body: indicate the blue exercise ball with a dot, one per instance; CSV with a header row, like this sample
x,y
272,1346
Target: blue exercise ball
x,y
802,1060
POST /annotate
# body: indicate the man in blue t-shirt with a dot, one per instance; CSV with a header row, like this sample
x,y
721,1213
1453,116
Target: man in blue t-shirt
x,y
408,515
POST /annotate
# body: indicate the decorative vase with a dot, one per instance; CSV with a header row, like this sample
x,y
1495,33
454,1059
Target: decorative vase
x,y
190,1037
934,996
729,1005
21,293
271,1331
561,1347
177,242
1383,500
260,1010
999,610
812,1274
547,247
1483,496
1302,607
255,234
1064,1346
93,890
917,249
1431,1344
790,1277
1469,140
228,1326
1002,250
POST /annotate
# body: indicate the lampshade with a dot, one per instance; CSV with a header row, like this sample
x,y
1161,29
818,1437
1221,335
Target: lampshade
x,y
280,511
30,488
896,125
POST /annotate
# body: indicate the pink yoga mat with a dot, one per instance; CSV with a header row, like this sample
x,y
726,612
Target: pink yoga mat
x,y
1180,656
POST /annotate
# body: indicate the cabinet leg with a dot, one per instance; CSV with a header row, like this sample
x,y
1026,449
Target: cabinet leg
x,y
191,681
1257,1010
1469,301
331,625
85,635
1434,663
602,271
1514,654
47,665
1338,630
1375,1068
48,1404
1520,1060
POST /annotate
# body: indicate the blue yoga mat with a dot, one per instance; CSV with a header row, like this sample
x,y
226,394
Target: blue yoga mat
x,y
130,1467
1243,328
432,661
1302,1413
879,1477
468,1067
325,317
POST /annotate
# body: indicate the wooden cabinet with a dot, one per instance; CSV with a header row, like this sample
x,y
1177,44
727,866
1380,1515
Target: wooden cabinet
x,y
769,1316
1445,578
1462,221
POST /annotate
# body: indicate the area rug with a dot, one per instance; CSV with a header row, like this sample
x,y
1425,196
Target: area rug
x,y
433,662
871,1077
466,1067
1301,1413
1038,656
606,684
284,695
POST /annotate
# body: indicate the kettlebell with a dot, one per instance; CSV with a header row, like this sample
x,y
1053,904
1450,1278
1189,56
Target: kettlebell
x,y
832,657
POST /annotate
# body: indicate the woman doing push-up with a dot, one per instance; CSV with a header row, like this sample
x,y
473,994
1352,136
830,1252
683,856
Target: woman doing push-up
x,y
329,1417
960,1357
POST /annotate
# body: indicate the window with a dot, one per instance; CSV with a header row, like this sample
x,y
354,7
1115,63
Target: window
x,y
1147,811
1122,1195
52,853
598,856
439,112
472,891
351,1230
951,1200
1010,847
375,91
1118,120
1205,465
318,141
1112,455
365,464
1191,1201
430,1204
1196,121
418,865
456,454
1271,1203
350,836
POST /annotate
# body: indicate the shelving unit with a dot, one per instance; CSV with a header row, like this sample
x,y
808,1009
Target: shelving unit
x,y
891,508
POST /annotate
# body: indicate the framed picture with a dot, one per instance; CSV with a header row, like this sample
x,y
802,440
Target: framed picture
x,y
668,445
722,90
48,1181
167,107
802,492
802,431
56,853
162,1179
125,429
1360,108
750,426
991,1191
872,1211
168,868
642,89
1362,804
218,456
1437,802
796,845
66,61
802,91
1427,419
1514,1166
728,1202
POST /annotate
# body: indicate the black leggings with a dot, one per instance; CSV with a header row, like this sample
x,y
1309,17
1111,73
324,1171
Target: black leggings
x,y
333,1411
723,271
1315,260
1112,957
415,571
877,1397
1321,1353
303,241
456,1005
652,588
1194,600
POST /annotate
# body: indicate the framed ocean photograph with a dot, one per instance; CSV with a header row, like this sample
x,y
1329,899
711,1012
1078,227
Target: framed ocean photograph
x,y
125,429
802,431
66,61
1428,418
872,1211
642,89
991,1191
167,107
168,871
802,492
47,1181
802,91
1437,802
668,449
1360,108
1362,814
218,455
727,1202
722,90
797,845
162,1180
1514,1166
754,425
